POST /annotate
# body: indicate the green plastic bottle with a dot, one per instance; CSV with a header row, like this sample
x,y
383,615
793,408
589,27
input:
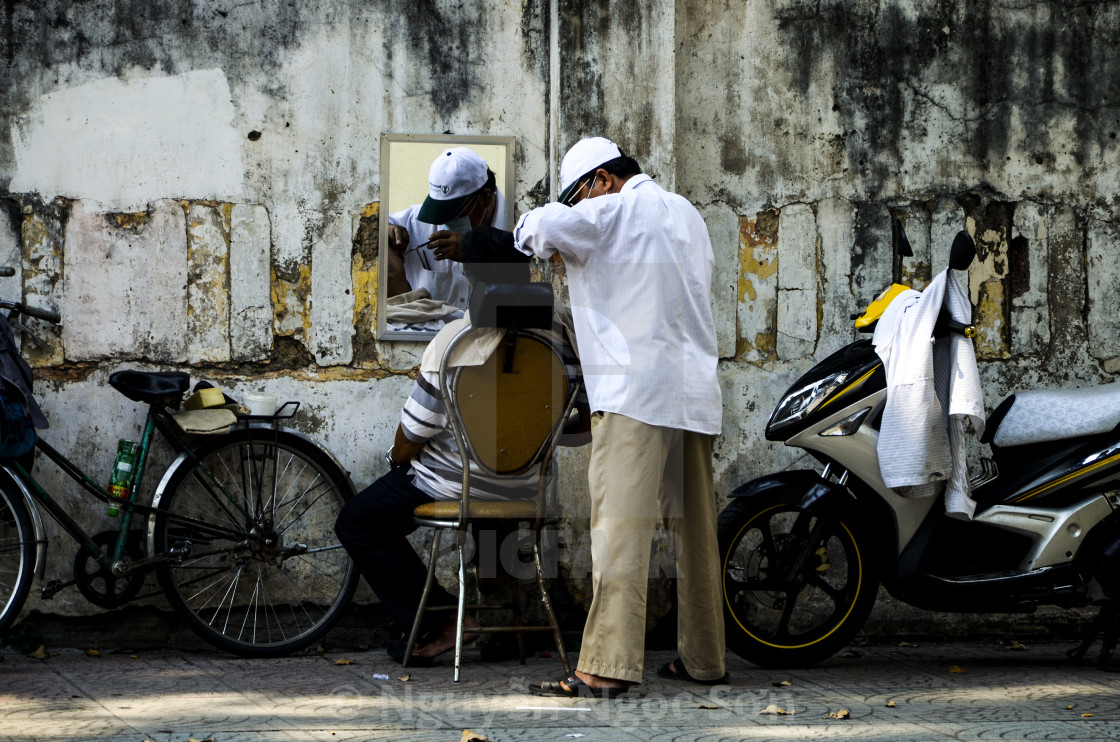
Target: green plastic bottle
x,y
124,471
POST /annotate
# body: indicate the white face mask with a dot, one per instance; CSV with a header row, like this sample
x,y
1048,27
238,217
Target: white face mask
x,y
460,224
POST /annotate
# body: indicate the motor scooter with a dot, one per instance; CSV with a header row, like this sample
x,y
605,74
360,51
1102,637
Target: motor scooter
x,y
803,552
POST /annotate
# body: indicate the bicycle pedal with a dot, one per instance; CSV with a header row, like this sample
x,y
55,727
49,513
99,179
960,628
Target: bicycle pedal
x,y
54,587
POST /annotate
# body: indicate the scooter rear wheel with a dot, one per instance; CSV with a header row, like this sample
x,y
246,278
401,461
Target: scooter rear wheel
x,y
796,587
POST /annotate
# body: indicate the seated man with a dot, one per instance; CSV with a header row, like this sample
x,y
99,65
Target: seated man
x,y
425,466
425,239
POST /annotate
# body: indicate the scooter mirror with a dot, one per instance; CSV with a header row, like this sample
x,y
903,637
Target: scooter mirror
x,y
963,252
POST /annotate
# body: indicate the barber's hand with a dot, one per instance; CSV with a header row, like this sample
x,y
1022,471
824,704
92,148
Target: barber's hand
x,y
398,238
446,245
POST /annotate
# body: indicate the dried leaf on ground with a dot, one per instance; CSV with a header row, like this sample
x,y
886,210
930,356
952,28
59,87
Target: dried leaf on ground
x,y
956,669
1084,716
891,705
343,662
404,678
40,653
776,710
783,684
469,736
1013,644
92,653
841,714
708,708
907,644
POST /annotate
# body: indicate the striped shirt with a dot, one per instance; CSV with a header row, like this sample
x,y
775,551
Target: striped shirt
x,y
437,470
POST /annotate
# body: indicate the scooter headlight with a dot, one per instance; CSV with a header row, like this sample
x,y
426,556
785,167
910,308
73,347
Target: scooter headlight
x,y
800,402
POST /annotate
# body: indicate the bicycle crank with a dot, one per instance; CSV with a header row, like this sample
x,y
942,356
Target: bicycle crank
x,y
105,586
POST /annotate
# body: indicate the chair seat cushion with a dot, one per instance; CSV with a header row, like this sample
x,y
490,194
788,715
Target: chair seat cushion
x,y
479,510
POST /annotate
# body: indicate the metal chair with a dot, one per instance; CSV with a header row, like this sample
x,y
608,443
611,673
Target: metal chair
x,y
506,415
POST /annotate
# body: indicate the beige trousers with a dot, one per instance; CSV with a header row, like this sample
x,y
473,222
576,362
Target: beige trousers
x,y
640,474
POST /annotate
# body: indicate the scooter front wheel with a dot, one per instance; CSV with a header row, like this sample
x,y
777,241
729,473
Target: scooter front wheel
x,y
796,587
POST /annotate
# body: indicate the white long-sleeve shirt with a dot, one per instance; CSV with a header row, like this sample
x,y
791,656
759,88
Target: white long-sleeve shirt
x,y
443,279
931,389
639,266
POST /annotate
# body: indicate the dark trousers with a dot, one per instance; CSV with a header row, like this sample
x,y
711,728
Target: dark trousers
x,y
373,527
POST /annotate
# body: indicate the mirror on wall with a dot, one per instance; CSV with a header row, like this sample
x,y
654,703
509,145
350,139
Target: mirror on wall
x,y
417,291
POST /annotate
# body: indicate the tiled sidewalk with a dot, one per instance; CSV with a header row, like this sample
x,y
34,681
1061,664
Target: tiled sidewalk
x,y
927,692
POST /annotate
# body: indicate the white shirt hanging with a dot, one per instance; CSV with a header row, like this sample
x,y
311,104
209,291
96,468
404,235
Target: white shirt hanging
x,y
931,389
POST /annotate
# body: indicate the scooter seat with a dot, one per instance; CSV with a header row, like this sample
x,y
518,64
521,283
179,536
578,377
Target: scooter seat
x,y
1040,415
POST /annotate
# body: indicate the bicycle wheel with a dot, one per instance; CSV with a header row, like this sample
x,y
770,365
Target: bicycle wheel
x,y
17,553
792,596
256,568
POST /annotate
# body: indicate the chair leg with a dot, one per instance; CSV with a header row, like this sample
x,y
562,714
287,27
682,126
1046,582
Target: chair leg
x,y
462,609
552,622
416,622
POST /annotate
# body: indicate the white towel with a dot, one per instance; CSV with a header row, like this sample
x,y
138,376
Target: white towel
x,y
931,389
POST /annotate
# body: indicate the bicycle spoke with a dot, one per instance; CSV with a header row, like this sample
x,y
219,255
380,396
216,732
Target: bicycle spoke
x,y
301,518
204,479
324,573
253,603
207,588
277,500
323,489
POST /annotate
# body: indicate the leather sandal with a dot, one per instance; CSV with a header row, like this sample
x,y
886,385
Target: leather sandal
x,y
576,689
675,671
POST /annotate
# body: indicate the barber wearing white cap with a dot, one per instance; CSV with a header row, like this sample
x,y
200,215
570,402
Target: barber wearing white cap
x,y
462,195
639,265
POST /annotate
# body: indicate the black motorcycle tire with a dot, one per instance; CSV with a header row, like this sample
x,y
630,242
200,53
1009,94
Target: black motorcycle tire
x,y
778,620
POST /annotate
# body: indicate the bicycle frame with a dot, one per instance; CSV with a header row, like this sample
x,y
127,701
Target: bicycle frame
x,y
157,419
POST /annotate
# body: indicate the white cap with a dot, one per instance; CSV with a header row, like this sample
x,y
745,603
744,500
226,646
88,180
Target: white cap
x,y
584,156
455,174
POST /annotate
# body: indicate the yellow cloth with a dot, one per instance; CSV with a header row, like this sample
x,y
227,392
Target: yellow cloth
x,y
207,421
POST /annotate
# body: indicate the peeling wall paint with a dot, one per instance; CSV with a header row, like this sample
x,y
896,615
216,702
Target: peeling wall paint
x,y
117,143
195,185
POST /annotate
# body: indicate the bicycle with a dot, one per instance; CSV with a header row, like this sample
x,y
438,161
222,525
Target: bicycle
x,y
239,530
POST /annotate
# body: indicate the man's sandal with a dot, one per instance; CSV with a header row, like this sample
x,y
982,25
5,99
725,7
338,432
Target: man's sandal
x,y
576,689
675,671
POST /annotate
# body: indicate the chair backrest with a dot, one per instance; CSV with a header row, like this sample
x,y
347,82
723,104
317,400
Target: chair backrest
x,y
510,406
508,410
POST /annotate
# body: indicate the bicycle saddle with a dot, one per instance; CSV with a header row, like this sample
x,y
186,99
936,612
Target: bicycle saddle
x,y
151,386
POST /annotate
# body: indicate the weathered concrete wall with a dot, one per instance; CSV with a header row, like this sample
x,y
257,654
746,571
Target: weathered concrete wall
x,y
195,185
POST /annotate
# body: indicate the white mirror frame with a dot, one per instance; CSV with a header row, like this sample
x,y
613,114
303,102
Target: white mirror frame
x,y
422,149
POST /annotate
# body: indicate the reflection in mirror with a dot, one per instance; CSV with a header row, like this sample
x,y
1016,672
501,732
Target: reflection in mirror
x,y
434,188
